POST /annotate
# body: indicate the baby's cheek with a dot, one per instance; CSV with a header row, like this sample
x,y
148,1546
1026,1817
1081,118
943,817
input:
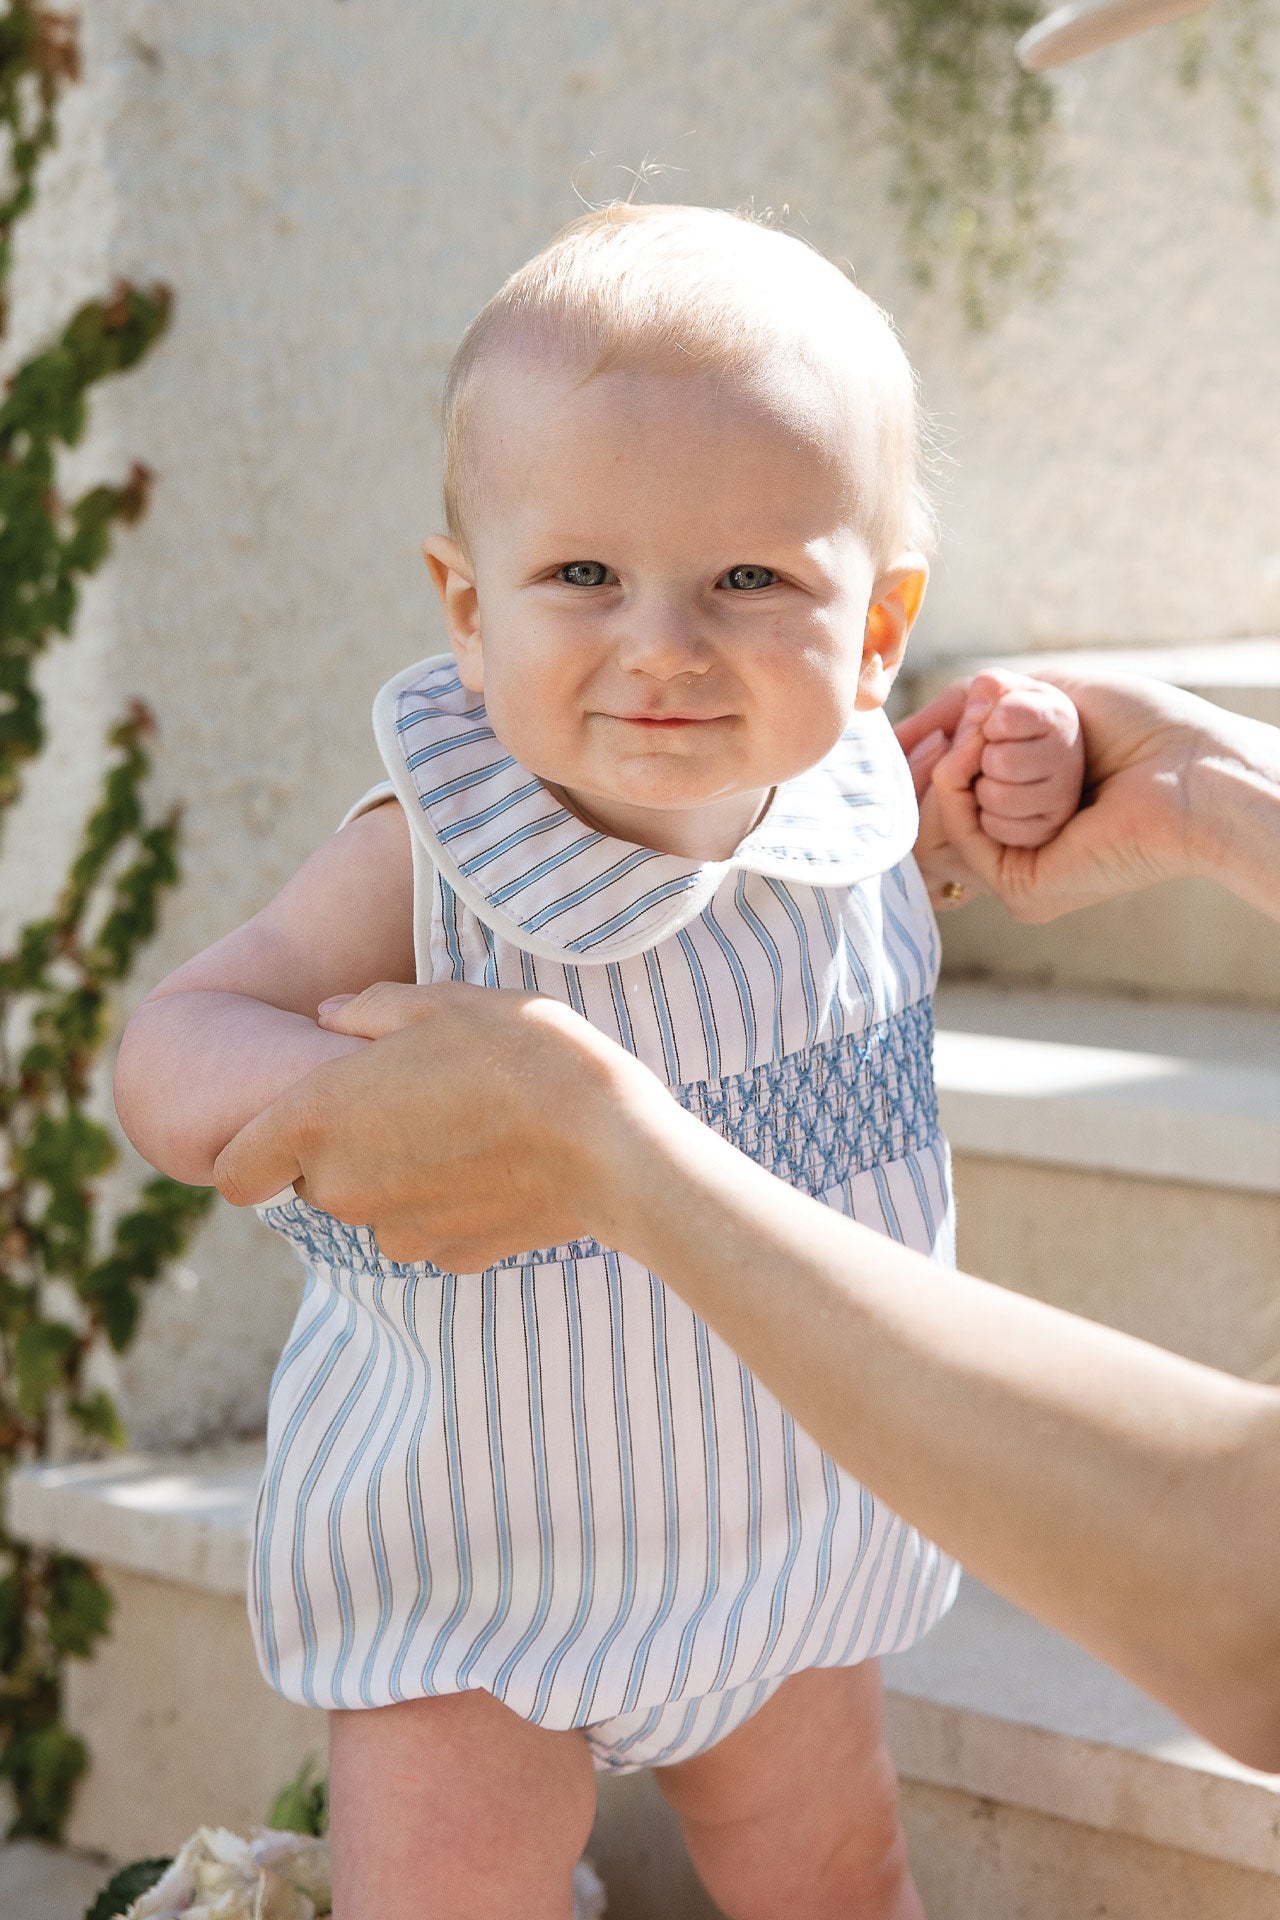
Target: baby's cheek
x,y
530,715
800,721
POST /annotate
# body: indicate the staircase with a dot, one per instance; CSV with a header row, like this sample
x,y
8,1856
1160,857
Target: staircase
x,y
1111,1087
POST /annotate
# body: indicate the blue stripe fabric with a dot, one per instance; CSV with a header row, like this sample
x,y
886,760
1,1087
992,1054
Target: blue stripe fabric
x,y
553,1481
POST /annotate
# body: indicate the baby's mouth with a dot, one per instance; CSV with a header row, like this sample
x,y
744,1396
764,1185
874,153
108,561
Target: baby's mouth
x,y
667,719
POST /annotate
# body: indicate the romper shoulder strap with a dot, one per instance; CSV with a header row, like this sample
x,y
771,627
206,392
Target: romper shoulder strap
x,y
375,797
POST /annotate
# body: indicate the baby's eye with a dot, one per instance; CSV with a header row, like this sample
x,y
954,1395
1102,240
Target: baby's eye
x,y
748,579
584,573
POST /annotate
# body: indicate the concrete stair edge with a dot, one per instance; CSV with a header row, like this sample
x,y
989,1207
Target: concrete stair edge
x,y
1240,674
180,1517
994,1704
1160,1090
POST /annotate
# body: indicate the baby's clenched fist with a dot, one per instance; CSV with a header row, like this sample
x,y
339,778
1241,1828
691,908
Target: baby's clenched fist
x,y
1017,742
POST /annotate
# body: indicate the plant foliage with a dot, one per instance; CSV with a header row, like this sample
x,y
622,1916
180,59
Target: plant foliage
x,y
303,1805
69,1277
125,1887
971,140
1233,40
972,135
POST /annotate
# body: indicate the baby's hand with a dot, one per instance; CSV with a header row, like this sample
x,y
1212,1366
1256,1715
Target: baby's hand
x,y
1018,742
1023,739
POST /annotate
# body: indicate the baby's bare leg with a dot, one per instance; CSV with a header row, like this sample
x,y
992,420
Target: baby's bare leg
x,y
455,1807
794,1816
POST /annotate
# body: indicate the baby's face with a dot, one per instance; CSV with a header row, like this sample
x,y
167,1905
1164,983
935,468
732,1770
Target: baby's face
x,y
665,600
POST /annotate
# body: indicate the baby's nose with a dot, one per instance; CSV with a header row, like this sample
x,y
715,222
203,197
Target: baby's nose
x,y
663,642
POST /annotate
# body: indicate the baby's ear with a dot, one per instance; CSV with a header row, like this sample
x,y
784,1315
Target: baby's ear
x,y
450,568
895,601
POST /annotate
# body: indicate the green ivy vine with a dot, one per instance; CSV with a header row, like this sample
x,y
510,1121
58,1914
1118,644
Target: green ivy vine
x,y
970,132
69,1276
972,135
1237,51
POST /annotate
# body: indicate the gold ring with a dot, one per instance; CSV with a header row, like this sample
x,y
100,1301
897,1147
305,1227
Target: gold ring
x,y
953,893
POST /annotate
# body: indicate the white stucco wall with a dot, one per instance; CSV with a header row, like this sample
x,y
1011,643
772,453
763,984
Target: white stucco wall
x,y
333,186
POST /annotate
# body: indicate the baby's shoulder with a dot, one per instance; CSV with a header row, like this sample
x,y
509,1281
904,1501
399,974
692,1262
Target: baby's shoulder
x,y
350,904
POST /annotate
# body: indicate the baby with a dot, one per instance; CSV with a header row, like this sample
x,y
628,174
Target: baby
x,y
518,1524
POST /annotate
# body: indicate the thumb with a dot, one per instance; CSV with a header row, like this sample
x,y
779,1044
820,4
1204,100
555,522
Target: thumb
x,y
922,760
942,715
953,778
382,1008
259,1161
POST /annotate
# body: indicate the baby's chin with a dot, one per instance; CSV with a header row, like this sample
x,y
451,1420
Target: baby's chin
x,y
663,788
700,819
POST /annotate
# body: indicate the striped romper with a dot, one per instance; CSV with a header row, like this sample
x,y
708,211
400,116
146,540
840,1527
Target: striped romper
x,y
552,1480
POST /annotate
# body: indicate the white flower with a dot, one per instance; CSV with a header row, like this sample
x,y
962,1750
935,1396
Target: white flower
x,y
219,1876
588,1892
275,1876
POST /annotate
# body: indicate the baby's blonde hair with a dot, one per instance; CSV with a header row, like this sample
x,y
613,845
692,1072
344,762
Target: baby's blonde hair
x,y
693,289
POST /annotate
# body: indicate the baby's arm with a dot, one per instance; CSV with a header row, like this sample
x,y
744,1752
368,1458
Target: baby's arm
x,y
1025,755
223,1036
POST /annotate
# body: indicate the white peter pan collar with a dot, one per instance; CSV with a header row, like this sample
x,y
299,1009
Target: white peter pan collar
x,y
539,877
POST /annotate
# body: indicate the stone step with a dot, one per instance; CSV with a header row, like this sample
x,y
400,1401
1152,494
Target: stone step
x,y
1034,1781
181,1730
48,1883
1121,1159
1242,675
1186,938
1037,1782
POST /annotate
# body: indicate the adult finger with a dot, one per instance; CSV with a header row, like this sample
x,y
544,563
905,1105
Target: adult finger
x,y
923,758
950,880
942,715
382,1008
402,1237
958,812
262,1159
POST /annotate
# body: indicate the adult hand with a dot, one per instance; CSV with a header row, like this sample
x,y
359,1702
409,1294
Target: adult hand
x,y
1031,776
1147,814
466,1132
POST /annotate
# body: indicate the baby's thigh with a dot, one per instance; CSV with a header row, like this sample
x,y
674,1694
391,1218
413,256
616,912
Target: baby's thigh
x,y
455,1806
805,1784
810,1742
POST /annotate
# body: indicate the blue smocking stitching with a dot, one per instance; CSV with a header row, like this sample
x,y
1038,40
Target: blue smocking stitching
x,y
815,1118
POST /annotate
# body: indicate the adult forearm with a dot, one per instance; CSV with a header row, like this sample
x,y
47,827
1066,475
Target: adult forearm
x,y
1236,798
1123,1495
195,1067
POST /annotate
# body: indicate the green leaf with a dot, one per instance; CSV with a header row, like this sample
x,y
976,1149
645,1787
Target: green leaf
x,y
43,1354
66,1151
159,1227
302,1806
98,1418
77,1607
13,1625
125,1887
43,1767
111,1290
